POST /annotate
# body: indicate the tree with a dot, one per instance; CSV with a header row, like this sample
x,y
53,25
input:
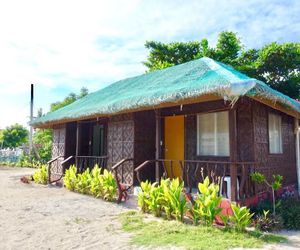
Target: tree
x,y
165,55
278,65
42,138
72,97
14,136
275,185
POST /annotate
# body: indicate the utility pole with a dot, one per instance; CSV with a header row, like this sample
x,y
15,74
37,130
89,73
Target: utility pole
x,y
31,118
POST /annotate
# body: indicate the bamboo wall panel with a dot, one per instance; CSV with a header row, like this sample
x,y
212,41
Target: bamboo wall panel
x,y
120,144
269,164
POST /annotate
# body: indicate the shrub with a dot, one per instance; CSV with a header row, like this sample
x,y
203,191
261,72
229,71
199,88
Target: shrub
x,y
144,196
109,186
83,182
275,185
267,223
241,217
174,198
290,213
156,199
207,203
92,182
96,186
70,178
40,176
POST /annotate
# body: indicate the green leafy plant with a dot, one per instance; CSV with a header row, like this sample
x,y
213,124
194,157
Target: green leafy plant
x,y
241,217
109,186
274,185
225,220
289,211
144,196
96,185
174,198
267,223
207,203
155,202
83,182
40,176
70,178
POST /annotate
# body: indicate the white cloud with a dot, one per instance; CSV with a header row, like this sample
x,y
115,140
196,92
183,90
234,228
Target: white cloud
x,y
63,45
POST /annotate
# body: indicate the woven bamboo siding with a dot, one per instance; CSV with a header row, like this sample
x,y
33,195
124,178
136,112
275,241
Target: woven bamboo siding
x,y
283,164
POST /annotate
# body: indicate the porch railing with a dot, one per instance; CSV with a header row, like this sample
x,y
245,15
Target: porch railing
x,y
57,165
229,175
124,173
55,169
84,162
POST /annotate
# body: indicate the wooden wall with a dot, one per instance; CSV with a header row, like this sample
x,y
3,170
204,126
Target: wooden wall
x,y
144,146
283,164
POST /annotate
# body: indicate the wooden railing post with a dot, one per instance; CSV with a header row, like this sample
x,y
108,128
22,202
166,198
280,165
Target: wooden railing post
x,y
233,182
157,144
233,152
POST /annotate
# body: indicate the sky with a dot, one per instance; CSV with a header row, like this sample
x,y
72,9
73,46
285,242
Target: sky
x,y
60,46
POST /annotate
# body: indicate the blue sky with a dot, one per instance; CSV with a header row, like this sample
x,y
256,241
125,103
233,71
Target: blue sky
x,y
63,45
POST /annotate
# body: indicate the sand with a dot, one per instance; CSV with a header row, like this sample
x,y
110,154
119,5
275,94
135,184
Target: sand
x,y
42,217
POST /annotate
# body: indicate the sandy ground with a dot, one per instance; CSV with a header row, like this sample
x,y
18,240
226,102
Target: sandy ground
x,y
41,217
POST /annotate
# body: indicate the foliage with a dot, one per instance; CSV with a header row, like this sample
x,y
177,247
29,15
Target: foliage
x,y
275,64
165,55
144,196
109,185
14,136
40,176
72,97
70,178
262,205
174,199
23,161
174,234
83,182
267,223
92,182
42,139
167,197
274,185
155,201
96,187
208,202
241,217
290,212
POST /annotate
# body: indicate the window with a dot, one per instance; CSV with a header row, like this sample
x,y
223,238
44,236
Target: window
x,y
275,140
213,134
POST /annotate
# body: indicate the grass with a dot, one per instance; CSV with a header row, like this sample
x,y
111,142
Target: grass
x,y
172,233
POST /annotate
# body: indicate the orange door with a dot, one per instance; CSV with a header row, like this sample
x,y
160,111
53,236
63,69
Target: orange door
x,y
174,143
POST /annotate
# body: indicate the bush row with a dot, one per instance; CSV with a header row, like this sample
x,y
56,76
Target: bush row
x,y
94,182
168,198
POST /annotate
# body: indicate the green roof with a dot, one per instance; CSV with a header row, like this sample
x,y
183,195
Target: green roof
x,y
171,85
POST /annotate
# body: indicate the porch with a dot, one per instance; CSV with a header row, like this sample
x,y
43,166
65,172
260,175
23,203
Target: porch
x,y
189,142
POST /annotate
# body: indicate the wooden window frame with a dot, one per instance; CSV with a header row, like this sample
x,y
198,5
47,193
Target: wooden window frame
x,y
215,137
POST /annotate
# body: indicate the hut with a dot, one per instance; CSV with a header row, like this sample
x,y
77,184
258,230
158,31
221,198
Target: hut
x,y
201,118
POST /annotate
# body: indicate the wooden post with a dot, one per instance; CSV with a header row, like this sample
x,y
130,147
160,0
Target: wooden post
x,y
233,152
157,143
77,142
297,144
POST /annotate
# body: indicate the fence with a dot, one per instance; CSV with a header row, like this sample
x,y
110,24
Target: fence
x,y
10,155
